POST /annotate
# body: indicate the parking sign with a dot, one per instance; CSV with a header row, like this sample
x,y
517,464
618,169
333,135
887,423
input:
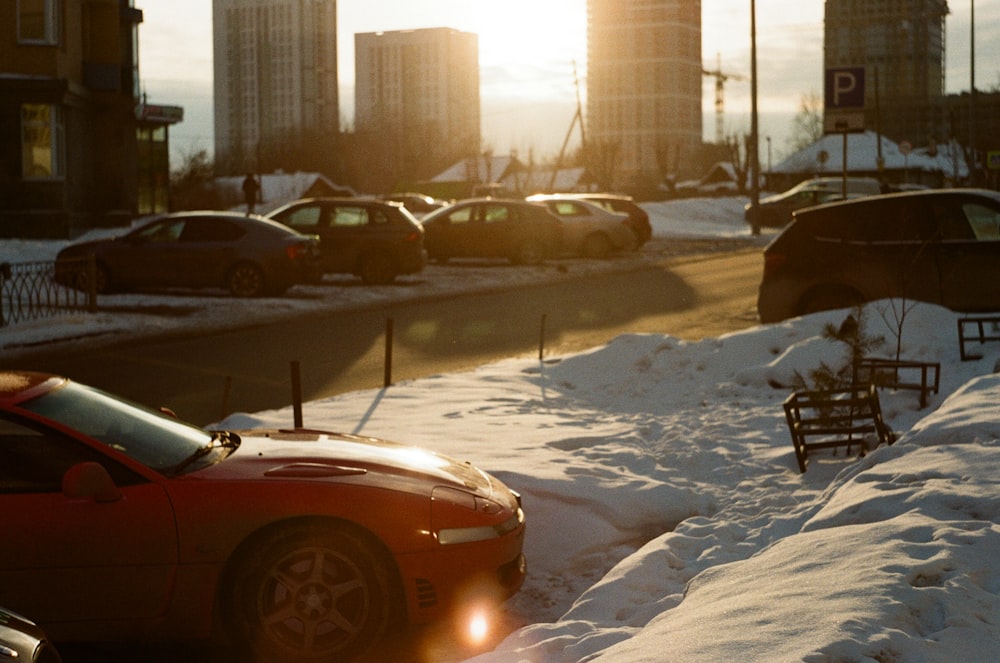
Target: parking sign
x,y
844,97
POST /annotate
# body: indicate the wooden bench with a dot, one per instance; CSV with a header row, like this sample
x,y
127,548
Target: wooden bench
x,y
980,334
920,376
835,418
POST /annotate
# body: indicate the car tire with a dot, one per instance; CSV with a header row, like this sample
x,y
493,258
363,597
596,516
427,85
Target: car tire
x,y
245,280
377,268
530,252
310,593
102,280
596,245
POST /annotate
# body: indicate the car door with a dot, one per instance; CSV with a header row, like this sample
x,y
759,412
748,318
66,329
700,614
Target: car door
x,y
500,231
206,250
969,253
66,559
346,235
313,219
147,257
898,259
459,234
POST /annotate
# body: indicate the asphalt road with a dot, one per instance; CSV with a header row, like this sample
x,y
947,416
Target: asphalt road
x,y
202,378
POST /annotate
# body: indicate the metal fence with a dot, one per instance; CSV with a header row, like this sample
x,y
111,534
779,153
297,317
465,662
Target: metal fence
x,y
29,290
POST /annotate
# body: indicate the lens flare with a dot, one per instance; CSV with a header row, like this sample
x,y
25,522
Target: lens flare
x,y
479,628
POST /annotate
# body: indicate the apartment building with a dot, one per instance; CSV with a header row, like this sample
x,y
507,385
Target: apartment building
x,y
78,148
276,90
901,46
417,105
644,89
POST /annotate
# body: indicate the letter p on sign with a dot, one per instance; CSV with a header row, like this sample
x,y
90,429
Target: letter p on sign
x,y
845,88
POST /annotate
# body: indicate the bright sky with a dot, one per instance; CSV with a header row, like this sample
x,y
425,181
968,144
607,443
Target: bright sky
x,y
527,53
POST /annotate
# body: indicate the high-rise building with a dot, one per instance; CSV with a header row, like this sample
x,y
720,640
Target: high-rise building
x,y
901,46
644,89
417,99
276,96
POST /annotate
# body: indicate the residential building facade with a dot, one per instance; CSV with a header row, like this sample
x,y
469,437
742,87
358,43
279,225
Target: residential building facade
x,y
417,105
276,91
70,119
900,44
644,89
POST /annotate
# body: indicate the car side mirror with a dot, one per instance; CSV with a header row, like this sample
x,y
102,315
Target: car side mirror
x,y
90,481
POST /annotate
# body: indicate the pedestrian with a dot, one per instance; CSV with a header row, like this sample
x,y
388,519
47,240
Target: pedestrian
x,y
251,192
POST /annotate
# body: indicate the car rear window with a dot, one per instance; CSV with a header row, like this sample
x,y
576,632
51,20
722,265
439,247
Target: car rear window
x,y
985,221
350,217
905,220
568,208
303,217
496,213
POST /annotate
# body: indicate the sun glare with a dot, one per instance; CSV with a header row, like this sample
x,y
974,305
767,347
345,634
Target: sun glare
x,y
531,32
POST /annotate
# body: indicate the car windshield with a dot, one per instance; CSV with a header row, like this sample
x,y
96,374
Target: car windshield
x,y
161,442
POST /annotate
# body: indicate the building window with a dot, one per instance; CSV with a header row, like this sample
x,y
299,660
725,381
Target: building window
x,y
42,144
38,21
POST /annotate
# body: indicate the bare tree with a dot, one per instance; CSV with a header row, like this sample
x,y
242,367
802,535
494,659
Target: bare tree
x,y
739,158
191,183
808,121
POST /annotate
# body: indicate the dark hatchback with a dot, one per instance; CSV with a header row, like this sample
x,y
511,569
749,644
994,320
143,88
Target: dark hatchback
x,y
522,232
374,240
936,246
247,255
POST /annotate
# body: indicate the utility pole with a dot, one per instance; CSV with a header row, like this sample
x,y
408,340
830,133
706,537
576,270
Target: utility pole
x,y
578,117
974,171
754,131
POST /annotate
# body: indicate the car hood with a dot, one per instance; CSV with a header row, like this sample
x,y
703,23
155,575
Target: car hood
x,y
83,248
319,455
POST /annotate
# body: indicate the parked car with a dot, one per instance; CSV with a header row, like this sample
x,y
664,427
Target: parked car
x,y
776,211
23,640
302,545
248,255
417,204
937,246
374,240
638,219
521,232
589,230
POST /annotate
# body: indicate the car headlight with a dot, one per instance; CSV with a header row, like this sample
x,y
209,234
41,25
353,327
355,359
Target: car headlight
x,y
461,517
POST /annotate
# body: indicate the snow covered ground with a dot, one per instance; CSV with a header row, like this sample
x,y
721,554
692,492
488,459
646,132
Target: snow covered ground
x,y
668,520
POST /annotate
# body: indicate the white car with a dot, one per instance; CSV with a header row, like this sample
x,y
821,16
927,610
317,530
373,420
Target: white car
x,y
588,229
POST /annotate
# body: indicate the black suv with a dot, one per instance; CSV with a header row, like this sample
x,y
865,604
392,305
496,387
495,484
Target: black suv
x,y
937,246
372,239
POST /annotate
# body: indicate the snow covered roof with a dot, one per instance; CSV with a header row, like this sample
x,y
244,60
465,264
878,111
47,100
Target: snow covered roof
x,y
863,153
566,179
480,170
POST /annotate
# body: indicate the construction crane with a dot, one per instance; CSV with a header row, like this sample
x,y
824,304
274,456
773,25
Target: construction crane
x,y
720,96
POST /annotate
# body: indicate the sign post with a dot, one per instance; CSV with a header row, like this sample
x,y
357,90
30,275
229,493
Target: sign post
x,y
844,106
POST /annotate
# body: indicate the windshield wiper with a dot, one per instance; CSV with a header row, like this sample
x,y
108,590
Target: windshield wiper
x,y
220,440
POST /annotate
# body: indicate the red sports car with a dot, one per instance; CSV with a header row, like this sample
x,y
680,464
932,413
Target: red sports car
x,y
123,523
